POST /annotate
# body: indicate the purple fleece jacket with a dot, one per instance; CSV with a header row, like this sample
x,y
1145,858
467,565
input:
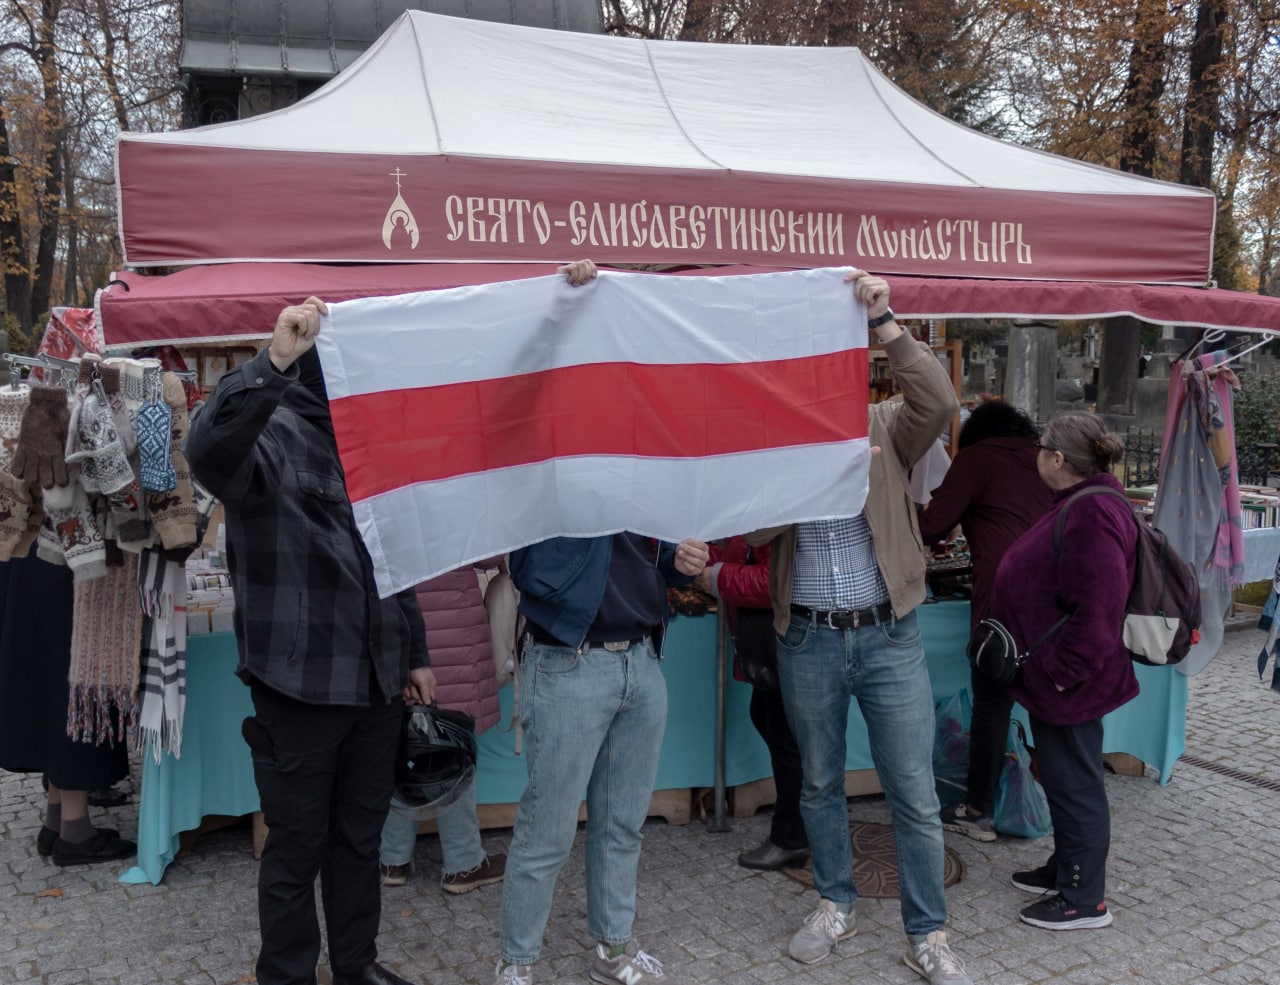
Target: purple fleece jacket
x,y
1090,579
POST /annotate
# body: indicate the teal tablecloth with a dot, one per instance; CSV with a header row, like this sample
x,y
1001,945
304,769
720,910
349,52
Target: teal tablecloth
x,y
215,776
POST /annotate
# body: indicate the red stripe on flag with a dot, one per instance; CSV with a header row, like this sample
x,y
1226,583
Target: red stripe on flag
x,y
395,438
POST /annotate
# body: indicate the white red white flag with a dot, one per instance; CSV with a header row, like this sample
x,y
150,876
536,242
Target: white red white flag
x,y
476,420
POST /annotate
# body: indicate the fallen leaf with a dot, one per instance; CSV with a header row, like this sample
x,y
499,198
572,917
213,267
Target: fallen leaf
x,y
49,892
406,913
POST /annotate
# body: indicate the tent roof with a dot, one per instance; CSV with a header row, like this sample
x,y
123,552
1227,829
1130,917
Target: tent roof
x,y
239,302
454,139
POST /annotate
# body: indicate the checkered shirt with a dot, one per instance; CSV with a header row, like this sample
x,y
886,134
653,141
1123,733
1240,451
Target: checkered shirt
x,y
836,566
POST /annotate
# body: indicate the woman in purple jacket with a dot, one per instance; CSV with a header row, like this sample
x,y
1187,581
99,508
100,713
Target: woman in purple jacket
x,y
993,490
1081,670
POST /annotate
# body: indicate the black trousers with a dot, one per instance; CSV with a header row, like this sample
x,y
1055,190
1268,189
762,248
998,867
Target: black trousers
x,y
324,776
988,740
1074,781
770,720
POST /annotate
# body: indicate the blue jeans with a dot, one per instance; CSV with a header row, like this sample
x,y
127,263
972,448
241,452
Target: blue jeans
x,y
459,830
882,665
593,724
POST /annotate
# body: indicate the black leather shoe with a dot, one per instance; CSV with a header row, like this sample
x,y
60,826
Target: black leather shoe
x,y
108,797
104,846
374,974
769,857
47,836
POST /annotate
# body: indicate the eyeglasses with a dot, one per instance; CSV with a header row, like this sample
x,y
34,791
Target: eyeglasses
x,y
1043,447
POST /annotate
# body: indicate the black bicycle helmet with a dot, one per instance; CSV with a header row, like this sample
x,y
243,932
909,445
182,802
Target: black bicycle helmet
x,y
437,760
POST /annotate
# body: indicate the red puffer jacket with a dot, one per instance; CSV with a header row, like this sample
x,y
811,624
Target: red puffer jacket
x,y
459,645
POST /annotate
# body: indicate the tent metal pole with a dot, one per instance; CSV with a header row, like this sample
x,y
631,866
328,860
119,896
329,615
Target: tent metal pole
x,y
718,821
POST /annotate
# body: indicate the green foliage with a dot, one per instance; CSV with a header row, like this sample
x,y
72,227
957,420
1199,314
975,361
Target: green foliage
x,y
1257,411
19,341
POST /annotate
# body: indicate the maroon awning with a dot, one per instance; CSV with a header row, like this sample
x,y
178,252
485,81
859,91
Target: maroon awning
x,y
240,300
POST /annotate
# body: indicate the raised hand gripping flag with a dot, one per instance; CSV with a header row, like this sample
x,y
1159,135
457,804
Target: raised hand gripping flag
x,y
476,420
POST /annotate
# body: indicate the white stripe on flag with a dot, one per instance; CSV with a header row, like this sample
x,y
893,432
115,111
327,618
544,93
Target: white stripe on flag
x,y
490,331
420,531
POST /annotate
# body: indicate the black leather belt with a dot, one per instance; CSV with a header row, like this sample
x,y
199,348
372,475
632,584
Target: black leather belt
x,y
540,635
846,618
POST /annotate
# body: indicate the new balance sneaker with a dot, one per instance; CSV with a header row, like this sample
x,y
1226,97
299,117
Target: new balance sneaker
x,y
513,974
933,959
395,875
1042,880
958,819
632,967
486,873
1055,913
822,930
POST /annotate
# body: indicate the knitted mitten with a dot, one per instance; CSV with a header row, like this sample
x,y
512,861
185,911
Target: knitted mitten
x,y
133,394
42,438
155,437
94,444
111,377
13,405
71,517
173,513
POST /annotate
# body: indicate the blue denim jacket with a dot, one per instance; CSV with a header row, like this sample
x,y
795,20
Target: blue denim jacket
x,y
562,582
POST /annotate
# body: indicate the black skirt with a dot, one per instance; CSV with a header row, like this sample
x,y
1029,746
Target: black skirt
x,y
35,658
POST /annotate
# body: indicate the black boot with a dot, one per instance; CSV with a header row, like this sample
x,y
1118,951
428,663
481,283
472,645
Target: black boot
x,y
373,974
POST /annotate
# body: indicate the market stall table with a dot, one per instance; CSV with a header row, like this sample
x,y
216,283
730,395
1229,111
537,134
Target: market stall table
x,y
215,775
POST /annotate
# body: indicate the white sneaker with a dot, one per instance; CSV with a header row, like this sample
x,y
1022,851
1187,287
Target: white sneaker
x,y
513,974
822,930
933,959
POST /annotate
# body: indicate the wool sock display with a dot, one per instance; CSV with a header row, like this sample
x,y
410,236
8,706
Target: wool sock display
x,y
41,454
13,406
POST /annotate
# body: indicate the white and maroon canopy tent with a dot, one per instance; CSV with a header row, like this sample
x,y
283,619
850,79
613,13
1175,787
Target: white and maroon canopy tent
x,y
479,143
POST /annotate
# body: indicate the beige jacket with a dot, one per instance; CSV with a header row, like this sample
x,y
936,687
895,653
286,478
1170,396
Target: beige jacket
x,y
904,429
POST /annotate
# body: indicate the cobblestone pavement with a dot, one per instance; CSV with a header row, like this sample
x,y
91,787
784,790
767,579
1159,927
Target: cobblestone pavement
x,y
1194,881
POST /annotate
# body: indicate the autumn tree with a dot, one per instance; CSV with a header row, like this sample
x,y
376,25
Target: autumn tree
x,y
72,74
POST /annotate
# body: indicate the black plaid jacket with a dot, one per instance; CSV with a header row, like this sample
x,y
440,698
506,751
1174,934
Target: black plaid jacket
x,y
308,619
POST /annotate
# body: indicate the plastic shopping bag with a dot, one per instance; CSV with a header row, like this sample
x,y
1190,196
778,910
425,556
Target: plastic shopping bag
x,y
951,747
1021,808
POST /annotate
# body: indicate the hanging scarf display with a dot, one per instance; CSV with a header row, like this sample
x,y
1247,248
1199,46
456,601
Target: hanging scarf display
x,y
162,698
106,633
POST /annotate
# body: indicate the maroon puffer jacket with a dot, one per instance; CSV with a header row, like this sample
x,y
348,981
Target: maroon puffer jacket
x,y
459,644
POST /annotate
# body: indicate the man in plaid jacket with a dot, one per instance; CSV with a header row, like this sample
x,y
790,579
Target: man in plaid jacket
x,y
329,664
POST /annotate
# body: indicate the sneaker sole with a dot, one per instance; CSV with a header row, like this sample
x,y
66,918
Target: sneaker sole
x,y
1026,887
977,834
459,888
827,953
1081,923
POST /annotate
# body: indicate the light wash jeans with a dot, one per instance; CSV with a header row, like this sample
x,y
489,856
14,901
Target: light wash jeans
x,y
593,724
459,830
883,666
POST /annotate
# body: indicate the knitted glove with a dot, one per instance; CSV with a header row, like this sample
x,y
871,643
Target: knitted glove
x,y
72,518
128,523
42,439
48,547
173,513
13,405
95,445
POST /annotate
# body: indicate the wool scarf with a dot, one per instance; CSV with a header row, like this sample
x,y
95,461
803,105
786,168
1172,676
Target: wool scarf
x,y
162,699
106,632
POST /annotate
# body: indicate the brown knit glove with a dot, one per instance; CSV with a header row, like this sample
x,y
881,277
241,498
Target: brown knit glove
x,y
42,440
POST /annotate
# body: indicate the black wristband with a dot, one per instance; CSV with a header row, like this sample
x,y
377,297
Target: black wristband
x,y
879,320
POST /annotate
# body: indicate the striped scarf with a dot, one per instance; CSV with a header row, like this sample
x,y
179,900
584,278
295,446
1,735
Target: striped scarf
x,y
106,627
162,698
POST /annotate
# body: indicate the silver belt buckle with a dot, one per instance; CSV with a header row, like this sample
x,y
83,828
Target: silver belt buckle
x,y
616,645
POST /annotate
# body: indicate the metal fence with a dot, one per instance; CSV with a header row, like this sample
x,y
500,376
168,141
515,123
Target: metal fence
x,y
1258,466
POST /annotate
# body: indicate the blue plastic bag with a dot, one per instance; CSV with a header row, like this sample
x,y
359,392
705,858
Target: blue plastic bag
x,y
951,747
1021,808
